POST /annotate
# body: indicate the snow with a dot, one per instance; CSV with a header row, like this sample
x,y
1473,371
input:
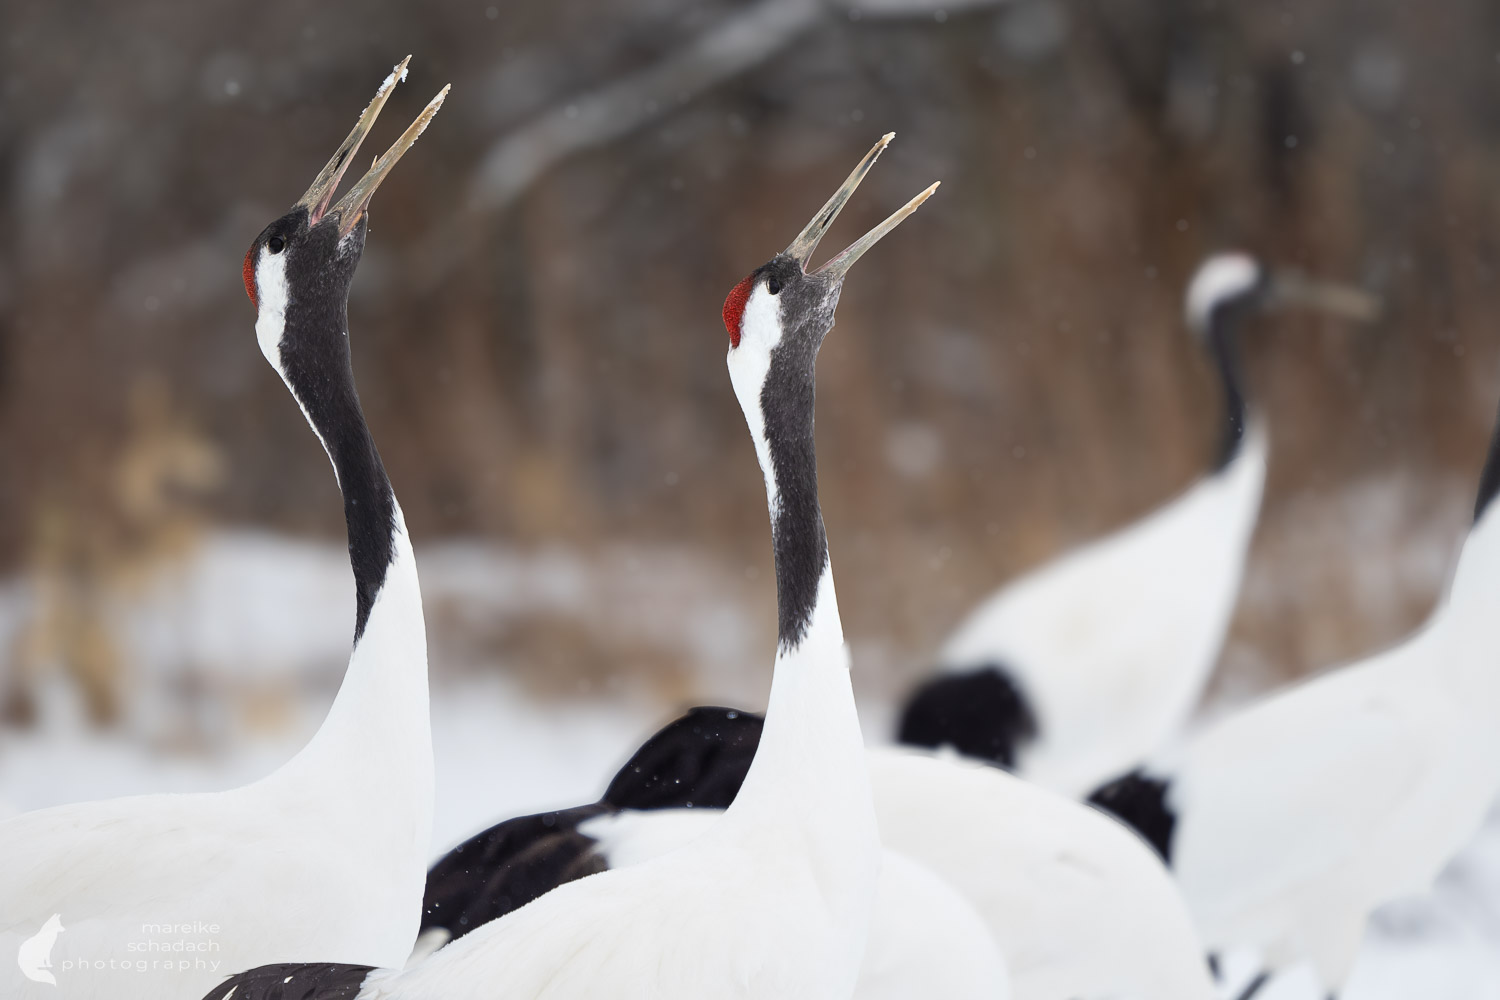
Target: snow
x,y
399,73
1444,945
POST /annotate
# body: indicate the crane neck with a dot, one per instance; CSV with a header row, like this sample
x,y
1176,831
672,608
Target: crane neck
x,y
798,538
1222,339
376,743
313,358
808,785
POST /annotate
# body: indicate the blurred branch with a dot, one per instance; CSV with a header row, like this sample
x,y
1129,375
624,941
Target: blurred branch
x,y
619,108
896,10
735,45
1142,79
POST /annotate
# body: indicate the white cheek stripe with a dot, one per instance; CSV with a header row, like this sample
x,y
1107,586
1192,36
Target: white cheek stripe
x,y
271,297
749,364
270,300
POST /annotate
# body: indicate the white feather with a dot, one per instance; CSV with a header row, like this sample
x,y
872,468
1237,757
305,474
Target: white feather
x,y
1301,814
1079,906
324,860
271,298
925,938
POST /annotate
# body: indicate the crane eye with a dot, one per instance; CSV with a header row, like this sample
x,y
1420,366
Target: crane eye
x,y
773,285
276,244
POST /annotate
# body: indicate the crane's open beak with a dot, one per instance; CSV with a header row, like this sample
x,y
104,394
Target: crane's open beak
x,y
801,249
320,195
353,204
1290,289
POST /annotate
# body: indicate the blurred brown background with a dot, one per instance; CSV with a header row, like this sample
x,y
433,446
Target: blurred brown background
x,y
536,320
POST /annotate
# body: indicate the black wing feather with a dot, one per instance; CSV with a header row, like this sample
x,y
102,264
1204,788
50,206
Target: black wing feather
x,y
506,867
698,760
294,981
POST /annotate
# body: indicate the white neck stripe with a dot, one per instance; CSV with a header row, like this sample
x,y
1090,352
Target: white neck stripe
x,y
272,296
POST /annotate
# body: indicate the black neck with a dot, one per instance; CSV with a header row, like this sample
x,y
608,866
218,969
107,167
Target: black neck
x,y
801,547
315,360
1489,479
1223,346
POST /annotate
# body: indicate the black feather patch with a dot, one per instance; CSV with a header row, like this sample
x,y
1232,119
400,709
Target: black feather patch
x,y
1141,802
506,867
981,713
698,760
294,981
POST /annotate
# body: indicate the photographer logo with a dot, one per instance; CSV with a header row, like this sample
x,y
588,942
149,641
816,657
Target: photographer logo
x,y
35,954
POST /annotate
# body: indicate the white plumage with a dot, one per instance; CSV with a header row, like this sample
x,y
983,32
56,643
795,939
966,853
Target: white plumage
x,y
1300,815
324,859
925,938
1080,907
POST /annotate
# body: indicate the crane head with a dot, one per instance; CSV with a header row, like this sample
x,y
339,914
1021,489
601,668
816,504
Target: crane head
x,y
1236,283
784,309
305,260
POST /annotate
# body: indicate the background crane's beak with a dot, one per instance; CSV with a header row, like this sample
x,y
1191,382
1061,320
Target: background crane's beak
x,y
1290,289
352,205
318,197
